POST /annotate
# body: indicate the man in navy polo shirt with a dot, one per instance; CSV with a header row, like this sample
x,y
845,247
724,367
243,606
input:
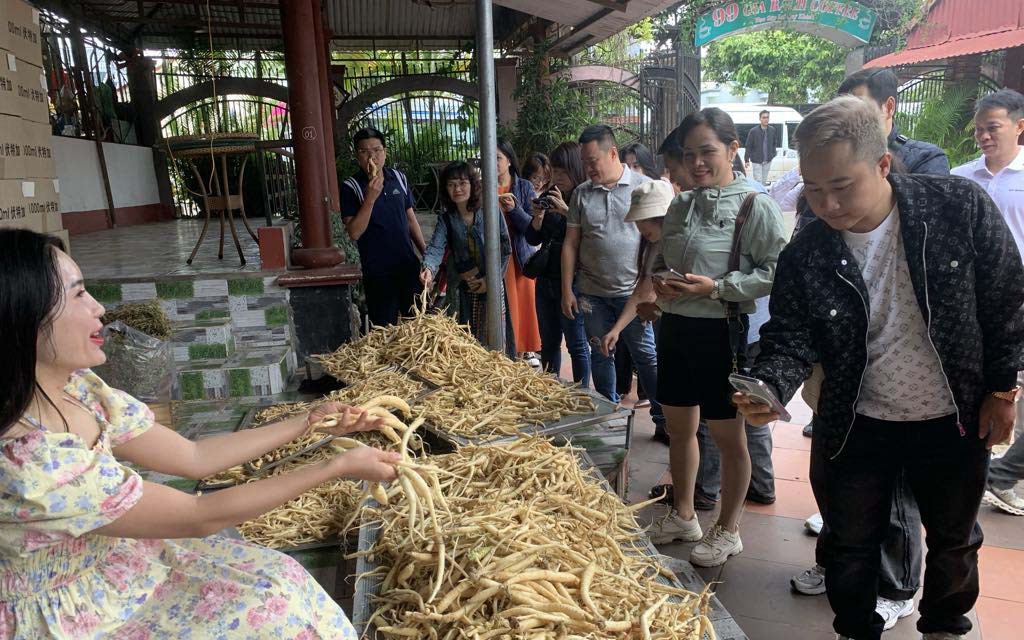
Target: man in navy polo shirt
x,y
377,208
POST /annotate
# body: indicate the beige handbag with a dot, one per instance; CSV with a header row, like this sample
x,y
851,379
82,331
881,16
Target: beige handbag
x,y
812,387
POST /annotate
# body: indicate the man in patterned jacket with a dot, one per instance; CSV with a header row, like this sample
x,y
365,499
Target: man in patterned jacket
x,y
908,290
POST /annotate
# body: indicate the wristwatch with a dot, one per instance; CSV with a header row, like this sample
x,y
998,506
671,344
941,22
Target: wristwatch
x,y
716,291
1012,396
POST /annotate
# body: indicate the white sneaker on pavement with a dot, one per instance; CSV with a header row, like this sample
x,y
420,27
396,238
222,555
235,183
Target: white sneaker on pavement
x,y
893,610
716,547
672,528
1005,500
811,582
814,524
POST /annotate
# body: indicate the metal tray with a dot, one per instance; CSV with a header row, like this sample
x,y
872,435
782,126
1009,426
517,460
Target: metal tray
x,y
605,410
369,587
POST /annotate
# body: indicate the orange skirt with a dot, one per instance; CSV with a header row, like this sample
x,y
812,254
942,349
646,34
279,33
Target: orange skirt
x,y
522,307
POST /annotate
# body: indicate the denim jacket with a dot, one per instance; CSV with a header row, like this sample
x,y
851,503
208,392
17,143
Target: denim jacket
x,y
519,220
451,234
969,284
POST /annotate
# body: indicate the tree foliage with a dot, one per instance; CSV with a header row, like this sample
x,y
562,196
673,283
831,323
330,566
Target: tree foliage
x,y
789,67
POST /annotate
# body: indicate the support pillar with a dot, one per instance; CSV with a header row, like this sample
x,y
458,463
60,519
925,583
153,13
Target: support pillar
x,y
298,22
326,104
488,165
142,85
1013,73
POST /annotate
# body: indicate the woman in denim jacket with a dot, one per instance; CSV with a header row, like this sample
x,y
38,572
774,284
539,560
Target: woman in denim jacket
x,y
460,231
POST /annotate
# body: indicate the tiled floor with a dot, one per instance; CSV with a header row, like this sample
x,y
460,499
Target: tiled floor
x,y
754,587
160,249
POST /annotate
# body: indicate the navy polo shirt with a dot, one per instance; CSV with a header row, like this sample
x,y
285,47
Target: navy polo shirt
x,y
385,248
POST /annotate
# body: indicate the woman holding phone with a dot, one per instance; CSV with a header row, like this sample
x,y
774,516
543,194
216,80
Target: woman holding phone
x,y
699,346
548,228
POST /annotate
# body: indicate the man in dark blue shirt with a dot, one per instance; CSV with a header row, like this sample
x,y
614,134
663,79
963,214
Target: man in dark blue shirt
x,y
378,211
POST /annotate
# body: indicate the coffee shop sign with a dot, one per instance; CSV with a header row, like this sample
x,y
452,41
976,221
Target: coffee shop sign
x,y
844,22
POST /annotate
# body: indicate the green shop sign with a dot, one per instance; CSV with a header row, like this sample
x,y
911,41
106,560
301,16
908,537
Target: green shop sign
x,y
844,22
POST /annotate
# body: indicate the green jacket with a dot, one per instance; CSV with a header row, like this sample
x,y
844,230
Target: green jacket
x,y
697,239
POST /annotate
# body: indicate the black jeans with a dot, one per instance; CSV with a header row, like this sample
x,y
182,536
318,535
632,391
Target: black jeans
x,y
391,295
946,473
899,576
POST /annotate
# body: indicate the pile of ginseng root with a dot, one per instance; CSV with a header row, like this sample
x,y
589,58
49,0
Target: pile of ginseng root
x,y
514,540
482,395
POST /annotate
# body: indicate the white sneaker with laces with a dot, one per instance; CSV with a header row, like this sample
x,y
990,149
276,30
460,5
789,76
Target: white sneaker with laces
x,y
893,610
1005,500
716,547
672,528
811,582
814,524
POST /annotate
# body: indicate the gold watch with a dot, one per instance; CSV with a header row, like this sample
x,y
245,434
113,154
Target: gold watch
x,y
1011,396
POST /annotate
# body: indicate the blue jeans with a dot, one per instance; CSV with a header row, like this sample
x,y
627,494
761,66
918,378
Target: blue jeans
x,y
762,473
599,316
553,325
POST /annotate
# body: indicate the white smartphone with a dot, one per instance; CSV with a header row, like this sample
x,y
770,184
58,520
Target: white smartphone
x,y
760,393
671,274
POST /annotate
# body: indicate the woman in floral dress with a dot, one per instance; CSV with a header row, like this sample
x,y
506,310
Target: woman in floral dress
x,y
90,550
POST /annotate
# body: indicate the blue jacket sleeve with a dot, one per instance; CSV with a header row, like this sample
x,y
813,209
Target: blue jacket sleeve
x,y
521,217
434,254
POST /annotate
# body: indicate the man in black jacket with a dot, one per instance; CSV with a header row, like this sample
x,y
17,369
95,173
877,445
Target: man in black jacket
x,y
908,291
761,147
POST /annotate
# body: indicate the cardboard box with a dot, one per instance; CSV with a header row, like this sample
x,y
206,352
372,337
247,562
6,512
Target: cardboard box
x,y
19,31
26,149
23,90
12,158
44,197
37,150
15,203
53,221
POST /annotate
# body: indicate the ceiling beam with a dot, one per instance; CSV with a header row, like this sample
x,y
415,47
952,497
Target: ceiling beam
x,y
617,5
603,13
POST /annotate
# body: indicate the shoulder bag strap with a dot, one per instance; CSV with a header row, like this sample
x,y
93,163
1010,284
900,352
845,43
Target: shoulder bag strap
x,y
732,309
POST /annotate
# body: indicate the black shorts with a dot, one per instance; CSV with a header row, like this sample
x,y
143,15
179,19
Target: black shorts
x,y
694,363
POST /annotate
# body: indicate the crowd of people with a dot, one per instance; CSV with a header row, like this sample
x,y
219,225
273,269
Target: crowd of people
x,y
893,307
896,306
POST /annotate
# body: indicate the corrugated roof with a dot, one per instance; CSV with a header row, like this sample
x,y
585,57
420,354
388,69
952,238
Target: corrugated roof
x,y
953,28
395,24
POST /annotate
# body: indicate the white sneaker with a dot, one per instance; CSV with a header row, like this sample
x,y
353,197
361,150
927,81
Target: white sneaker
x,y
811,582
892,610
716,547
1005,500
672,528
814,524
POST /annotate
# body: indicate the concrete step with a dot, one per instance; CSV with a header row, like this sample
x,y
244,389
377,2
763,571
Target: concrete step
x,y
246,373
209,339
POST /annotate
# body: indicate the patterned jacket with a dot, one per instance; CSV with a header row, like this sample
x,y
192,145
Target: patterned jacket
x,y
969,283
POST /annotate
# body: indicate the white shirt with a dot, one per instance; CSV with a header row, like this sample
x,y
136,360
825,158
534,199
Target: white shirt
x,y
904,379
1006,188
787,189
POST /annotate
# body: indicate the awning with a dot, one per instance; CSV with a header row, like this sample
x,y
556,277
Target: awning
x,y
952,49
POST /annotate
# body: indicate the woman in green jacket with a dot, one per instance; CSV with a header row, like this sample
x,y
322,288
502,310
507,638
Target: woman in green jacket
x,y
698,345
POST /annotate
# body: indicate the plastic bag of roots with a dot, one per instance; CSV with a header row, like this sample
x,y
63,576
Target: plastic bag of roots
x,y
138,364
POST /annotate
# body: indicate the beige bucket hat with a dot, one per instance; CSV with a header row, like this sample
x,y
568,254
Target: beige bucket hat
x,y
650,200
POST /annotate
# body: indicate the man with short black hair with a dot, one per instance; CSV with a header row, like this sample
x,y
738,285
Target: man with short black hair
x,y
881,86
379,214
998,125
908,290
599,257
761,147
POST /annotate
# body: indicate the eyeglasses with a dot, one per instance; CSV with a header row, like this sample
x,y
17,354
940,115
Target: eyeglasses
x,y
370,152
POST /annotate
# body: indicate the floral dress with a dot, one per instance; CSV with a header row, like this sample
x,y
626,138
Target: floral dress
x,y
60,580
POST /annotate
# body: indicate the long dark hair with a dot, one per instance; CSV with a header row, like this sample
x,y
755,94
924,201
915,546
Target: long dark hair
x,y
30,290
460,169
644,158
568,158
513,160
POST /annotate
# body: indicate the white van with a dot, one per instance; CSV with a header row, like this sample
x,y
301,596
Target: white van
x,y
784,119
